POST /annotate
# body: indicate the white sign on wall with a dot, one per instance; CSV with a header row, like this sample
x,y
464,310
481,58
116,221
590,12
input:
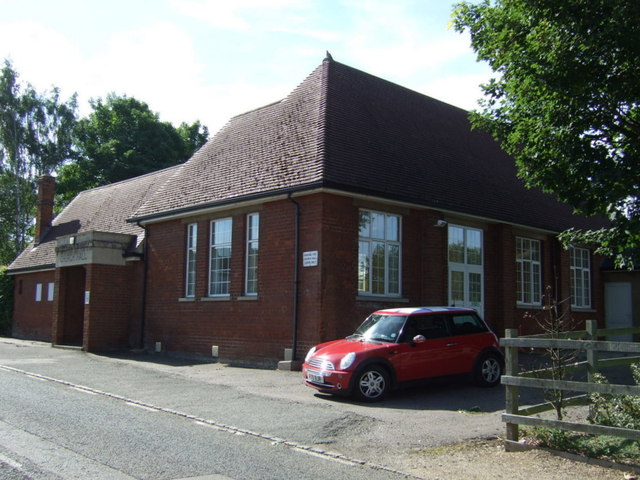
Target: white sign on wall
x,y
310,259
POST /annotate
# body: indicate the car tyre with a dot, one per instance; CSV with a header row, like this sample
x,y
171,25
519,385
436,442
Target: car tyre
x,y
372,384
488,370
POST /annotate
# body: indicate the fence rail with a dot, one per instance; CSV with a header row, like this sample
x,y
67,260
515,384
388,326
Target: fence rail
x,y
580,341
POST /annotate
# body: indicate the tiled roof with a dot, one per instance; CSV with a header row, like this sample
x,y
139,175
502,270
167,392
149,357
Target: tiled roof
x,y
386,140
341,128
345,129
271,149
104,209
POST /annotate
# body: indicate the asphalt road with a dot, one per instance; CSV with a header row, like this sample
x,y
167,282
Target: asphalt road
x,y
67,414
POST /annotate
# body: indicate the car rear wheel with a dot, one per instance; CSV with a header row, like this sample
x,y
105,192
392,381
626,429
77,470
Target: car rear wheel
x,y
372,384
488,370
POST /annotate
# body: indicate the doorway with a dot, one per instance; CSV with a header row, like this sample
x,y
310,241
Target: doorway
x,y
617,309
73,319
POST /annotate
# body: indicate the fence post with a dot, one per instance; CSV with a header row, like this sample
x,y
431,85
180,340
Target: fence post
x,y
512,393
592,354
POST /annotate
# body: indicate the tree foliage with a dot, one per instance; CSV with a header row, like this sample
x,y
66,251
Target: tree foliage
x,y
122,138
36,131
565,103
6,301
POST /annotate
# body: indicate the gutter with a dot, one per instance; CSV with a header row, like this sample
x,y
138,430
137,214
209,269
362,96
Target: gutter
x,y
35,269
221,204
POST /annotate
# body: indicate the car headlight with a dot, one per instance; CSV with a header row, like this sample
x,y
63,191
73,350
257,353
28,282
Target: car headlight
x,y
310,354
347,360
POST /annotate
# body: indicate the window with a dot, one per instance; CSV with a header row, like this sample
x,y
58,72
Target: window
x,y
50,290
429,326
580,278
379,254
528,271
466,324
220,257
466,271
190,276
251,273
38,292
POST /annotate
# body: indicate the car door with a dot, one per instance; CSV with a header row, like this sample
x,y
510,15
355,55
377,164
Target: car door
x,y
431,358
469,337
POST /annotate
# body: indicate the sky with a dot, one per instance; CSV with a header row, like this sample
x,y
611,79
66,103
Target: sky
x,y
210,60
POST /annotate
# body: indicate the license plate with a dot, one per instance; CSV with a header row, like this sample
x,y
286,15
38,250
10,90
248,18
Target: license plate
x,y
315,377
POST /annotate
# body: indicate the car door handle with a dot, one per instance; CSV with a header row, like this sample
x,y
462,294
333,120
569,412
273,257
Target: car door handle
x,y
451,344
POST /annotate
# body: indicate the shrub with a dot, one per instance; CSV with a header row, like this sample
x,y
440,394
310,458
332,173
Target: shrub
x,y
621,411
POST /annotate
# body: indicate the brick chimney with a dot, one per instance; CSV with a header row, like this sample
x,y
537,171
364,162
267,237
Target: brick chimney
x,y
44,214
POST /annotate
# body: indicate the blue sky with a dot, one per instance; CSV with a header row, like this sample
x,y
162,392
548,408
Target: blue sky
x,y
209,60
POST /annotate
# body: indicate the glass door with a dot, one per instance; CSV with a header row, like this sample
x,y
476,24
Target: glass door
x,y
466,275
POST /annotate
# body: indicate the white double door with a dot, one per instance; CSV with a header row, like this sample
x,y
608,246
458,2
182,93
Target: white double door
x,y
466,270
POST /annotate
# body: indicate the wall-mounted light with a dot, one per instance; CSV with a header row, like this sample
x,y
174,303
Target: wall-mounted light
x,y
441,223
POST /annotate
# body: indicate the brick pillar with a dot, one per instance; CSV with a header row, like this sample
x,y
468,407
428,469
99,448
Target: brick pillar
x,y
44,214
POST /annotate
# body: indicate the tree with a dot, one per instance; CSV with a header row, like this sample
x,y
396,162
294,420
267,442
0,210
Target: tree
x,y
193,137
122,138
565,103
35,137
6,301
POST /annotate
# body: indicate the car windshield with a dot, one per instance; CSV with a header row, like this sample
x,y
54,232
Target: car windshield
x,y
379,327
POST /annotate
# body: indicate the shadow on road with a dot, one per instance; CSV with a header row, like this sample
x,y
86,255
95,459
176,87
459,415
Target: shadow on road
x,y
159,358
448,394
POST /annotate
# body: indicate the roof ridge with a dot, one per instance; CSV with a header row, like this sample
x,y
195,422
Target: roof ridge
x,y
131,179
323,114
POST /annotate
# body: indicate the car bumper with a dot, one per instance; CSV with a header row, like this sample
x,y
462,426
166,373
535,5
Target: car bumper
x,y
330,381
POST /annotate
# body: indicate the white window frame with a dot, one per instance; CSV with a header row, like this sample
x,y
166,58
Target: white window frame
x,y
372,235
466,273
251,254
528,271
580,261
50,291
220,265
190,261
38,292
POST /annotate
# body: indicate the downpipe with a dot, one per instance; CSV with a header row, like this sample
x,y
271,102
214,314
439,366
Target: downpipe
x,y
296,252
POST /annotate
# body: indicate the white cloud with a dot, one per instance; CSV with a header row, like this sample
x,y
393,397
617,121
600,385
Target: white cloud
x,y
42,56
243,15
389,40
156,64
460,90
213,59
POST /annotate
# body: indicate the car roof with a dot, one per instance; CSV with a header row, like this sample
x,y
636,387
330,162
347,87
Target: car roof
x,y
423,310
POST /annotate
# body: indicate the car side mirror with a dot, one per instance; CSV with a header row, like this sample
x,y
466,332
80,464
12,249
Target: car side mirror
x,y
419,339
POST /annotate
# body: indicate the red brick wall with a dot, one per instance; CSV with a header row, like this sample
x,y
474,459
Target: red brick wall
x,y
31,319
252,329
112,292
259,329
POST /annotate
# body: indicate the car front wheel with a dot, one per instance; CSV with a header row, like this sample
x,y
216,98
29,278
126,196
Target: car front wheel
x,y
372,384
488,370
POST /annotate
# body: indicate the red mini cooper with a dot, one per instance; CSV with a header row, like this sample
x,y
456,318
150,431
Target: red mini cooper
x,y
402,345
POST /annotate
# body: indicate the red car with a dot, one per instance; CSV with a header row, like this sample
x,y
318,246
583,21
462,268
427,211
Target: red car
x,y
402,345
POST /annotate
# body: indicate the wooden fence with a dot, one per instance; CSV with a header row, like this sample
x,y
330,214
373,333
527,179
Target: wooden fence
x,y
578,341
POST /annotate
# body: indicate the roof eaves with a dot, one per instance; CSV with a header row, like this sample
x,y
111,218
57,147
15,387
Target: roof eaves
x,y
34,269
186,211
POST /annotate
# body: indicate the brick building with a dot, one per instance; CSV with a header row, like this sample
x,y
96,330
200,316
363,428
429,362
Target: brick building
x,y
296,220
